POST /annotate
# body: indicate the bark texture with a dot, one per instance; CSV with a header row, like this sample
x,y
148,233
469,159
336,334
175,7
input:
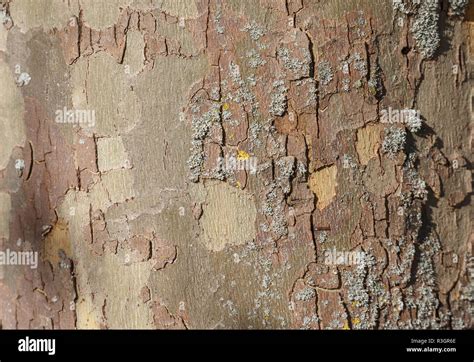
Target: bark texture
x,y
230,147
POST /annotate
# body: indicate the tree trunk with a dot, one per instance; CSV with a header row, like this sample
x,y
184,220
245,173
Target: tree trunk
x,y
236,164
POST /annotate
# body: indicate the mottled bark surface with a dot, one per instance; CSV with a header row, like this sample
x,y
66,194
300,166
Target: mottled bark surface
x,y
231,145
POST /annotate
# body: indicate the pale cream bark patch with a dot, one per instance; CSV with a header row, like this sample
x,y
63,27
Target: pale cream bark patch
x,y
46,14
368,142
228,217
102,14
180,8
3,38
116,187
5,208
101,85
134,56
323,183
11,115
111,154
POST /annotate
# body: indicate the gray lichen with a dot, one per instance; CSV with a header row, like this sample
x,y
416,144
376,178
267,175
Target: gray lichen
x,y
279,100
394,140
348,162
358,84
201,126
426,299
251,80
301,169
235,73
279,224
19,166
360,64
269,200
195,160
255,60
286,167
254,132
243,93
425,26
458,7
295,65
323,237
255,31
217,20
346,85
419,188
399,5
23,79
286,171
312,97
413,121
305,294
325,73
375,82
4,17
366,290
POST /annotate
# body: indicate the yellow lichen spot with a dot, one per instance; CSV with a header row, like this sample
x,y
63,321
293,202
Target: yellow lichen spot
x,y
346,326
238,185
225,107
372,90
356,321
242,155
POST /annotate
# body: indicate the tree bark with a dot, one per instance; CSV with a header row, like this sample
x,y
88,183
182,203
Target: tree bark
x,y
236,164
